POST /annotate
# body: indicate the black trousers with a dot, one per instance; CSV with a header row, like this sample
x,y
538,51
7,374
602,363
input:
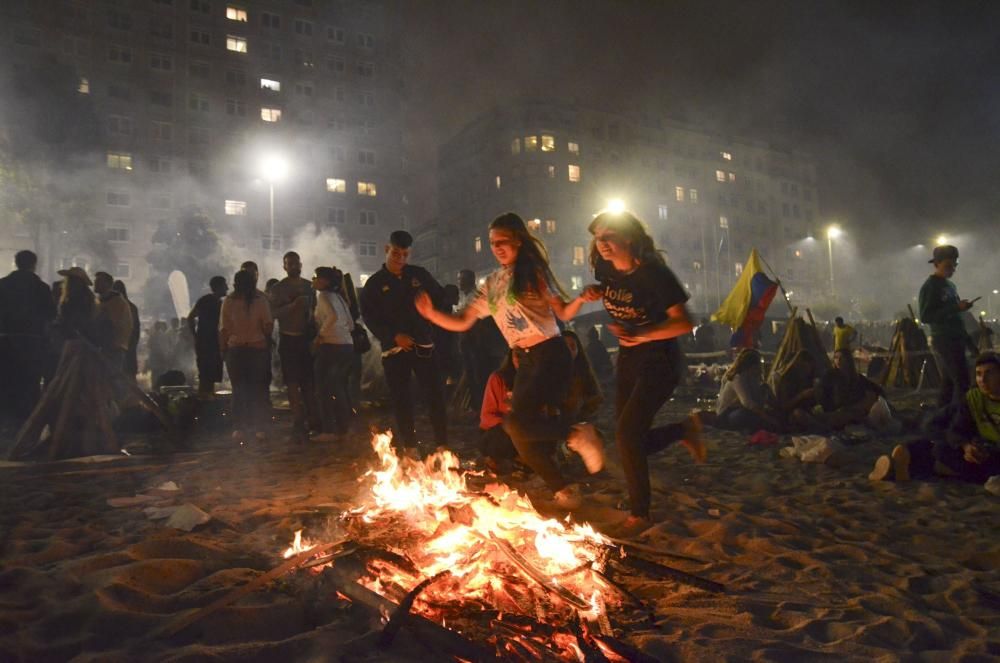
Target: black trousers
x,y
923,454
647,375
24,358
251,403
949,353
540,387
398,368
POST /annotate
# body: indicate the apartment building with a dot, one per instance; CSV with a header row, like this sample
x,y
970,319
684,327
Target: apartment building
x,y
707,198
221,108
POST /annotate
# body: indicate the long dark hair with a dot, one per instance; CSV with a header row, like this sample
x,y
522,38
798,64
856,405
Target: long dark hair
x,y
244,286
631,230
532,261
506,370
76,304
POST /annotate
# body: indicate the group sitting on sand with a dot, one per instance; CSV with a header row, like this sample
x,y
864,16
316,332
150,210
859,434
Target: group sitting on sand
x,y
804,399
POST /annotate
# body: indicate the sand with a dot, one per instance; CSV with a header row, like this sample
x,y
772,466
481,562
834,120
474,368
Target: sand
x,y
819,562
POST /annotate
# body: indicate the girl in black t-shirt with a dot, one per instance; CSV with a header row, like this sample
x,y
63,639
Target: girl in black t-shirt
x,y
647,304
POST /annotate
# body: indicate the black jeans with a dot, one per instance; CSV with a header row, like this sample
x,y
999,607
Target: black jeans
x,y
923,454
331,368
398,368
647,376
540,387
949,354
248,371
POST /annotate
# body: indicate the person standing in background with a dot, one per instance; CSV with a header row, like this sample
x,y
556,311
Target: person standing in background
x,y
941,309
843,335
203,321
132,355
114,318
334,353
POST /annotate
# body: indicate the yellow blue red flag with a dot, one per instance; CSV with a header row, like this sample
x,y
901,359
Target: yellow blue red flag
x,y
743,310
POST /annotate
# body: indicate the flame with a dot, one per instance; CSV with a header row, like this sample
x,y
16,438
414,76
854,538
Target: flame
x,y
298,546
448,527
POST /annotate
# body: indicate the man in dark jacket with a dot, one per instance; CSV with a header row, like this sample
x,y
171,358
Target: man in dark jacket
x,y
406,337
26,310
132,355
941,309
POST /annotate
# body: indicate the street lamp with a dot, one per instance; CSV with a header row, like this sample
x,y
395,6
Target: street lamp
x,y
993,294
273,168
616,206
941,240
832,233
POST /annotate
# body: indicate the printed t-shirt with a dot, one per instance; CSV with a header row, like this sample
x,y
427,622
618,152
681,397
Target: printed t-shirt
x,y
519,318
643,296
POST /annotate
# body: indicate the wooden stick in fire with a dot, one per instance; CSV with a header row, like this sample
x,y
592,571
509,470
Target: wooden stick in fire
x,y
569,597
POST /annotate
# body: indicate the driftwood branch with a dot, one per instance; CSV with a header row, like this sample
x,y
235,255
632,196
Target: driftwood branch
x,y
657,570
529,569
400,614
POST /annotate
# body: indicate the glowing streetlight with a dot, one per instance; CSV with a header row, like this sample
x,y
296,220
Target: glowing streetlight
x,y
941,240
273,168
616,206
832,232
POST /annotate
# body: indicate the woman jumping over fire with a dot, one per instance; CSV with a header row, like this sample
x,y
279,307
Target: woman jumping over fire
x,y
647,304
525,299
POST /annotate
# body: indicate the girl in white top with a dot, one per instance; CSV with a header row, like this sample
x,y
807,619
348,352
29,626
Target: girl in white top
x,y
334,353
525,299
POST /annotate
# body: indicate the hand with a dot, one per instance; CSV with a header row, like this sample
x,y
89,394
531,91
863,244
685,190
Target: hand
x,y
405,342
964,305
973,454
591,293
625,335
424,305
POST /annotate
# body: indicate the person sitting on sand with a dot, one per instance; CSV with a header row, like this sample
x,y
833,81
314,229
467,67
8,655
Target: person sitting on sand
x,y
845,396
795,387
743,396
970,450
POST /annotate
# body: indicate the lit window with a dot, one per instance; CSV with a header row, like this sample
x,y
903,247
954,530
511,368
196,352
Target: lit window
x,y
117,234
530,143
726,155
478,242
551,170
270,242
550,226
578,255
574,173
367,217
236,208
515,146
498,182
534,225
548,143
366,189
120,160
236,44
118,199
720,176
576,282
335,185
269,84
724,222
679,193
270,114
236,14
84,86
366,248
732,177
663,212
573,148
693,195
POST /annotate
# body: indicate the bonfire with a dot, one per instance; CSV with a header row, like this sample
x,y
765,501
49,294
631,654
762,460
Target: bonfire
x,y
480,562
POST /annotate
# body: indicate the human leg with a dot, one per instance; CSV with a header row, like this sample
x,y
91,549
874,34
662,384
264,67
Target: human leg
x,y
397,368
429,381
949,353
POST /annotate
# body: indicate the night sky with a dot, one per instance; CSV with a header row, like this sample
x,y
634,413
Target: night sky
x,y
899,102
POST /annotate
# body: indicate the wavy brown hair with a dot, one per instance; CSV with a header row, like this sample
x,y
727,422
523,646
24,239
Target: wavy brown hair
x,y
630,229
532,262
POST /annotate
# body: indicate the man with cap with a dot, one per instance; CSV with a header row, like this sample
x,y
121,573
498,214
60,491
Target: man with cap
x,y
406,337
941,309
26,309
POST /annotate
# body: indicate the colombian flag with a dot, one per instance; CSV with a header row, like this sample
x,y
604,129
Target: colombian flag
x,y
746,305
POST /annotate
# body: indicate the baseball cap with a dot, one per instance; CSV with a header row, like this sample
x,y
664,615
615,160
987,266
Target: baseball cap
x,y
945,252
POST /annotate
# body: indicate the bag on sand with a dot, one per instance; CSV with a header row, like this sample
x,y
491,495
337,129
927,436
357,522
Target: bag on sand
x,y
812,449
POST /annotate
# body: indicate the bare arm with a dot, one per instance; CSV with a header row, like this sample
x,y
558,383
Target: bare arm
x,y
678,323
454,322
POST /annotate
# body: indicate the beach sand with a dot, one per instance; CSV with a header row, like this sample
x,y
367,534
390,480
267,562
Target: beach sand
x,y
819,563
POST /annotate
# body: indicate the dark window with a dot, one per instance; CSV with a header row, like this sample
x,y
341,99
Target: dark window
x,y
119,20
269,20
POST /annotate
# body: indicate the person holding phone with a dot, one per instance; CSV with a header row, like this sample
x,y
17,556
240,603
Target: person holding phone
x,y
941,309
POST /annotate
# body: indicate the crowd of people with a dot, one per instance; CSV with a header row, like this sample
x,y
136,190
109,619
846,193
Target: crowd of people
x,y
505,345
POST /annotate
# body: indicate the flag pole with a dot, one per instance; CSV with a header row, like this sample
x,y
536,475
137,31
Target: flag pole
x,y
777,280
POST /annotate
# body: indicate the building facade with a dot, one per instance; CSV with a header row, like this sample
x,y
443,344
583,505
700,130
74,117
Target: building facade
x,y
707,199
213,107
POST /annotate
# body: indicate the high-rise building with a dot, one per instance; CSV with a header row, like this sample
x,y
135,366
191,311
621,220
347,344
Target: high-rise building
x,y
706,198
213,107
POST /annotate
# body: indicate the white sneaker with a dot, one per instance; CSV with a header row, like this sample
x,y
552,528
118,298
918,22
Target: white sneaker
x,y
569,498
586,441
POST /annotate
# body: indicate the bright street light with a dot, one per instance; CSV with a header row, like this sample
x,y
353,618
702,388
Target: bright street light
x,y
616,206
833,232
273,168
941,240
